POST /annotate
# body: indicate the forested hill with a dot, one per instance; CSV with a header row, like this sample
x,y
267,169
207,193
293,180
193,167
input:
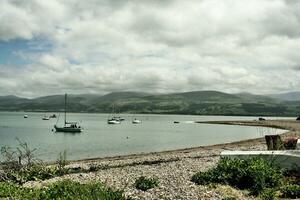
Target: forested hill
x,y
197,102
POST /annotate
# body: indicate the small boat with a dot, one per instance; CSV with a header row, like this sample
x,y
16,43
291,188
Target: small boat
x,y
25,116
113,121
176,122
136,121
46,117
71,127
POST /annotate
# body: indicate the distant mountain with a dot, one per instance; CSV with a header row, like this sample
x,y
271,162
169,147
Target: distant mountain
x,y
11,102
290,96
115,96
208,96
196,102
248,97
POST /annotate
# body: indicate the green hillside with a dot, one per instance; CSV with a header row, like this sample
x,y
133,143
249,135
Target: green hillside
x,y
197,102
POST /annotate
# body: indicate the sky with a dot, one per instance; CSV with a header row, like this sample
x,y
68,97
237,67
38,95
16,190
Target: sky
x,y
154,46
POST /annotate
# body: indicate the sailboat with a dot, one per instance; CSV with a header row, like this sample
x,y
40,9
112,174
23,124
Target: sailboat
x,y
114,119
136,121
71,127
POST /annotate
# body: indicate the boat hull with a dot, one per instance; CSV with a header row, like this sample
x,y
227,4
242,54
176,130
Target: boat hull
x,y
113,122
67,129
136,122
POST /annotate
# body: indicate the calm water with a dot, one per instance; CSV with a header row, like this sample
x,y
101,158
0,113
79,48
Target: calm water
x,y
156,133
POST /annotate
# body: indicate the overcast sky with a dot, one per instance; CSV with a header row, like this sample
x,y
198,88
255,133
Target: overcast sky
x,y
93,46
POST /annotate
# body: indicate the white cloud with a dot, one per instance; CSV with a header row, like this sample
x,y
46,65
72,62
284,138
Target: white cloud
x,y
154,46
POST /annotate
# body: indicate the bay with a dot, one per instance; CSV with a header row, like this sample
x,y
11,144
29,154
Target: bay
x,y
99,139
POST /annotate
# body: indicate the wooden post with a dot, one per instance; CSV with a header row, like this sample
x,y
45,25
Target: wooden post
x,y
274,142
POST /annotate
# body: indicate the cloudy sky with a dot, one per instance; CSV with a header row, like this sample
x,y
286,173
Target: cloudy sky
x,y
94,46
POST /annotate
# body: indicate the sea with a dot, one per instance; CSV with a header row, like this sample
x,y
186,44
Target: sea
x,y
98,139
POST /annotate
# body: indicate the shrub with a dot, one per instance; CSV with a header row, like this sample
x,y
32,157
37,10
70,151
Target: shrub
x,y
143,183
38,171
291,191
255,174
20,165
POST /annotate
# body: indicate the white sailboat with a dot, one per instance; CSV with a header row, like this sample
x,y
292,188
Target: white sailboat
x,y
114,119
136,121
45,117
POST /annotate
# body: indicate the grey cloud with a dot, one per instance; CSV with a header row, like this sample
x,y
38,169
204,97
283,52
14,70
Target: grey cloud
x,y
154,46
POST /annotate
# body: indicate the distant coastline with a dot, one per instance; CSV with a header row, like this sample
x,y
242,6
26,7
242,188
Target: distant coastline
x,y
186,103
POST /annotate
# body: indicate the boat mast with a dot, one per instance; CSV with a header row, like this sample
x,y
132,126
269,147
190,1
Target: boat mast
x,y
65,108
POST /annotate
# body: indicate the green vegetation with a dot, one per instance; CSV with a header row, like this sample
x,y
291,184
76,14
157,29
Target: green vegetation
x,y
253,174
143,183
268,194
61,190
198,103
290,191
20,165
261,177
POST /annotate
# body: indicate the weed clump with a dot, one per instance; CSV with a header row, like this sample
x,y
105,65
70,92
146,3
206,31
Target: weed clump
x,y
143,183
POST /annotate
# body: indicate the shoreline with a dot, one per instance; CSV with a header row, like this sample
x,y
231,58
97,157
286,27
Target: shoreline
x,y
189,149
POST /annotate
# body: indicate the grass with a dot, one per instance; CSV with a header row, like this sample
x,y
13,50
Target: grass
x,y
64,190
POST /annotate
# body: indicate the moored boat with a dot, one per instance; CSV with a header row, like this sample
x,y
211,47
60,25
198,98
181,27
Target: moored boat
x,y
136,121
113,121
70,127
45,117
